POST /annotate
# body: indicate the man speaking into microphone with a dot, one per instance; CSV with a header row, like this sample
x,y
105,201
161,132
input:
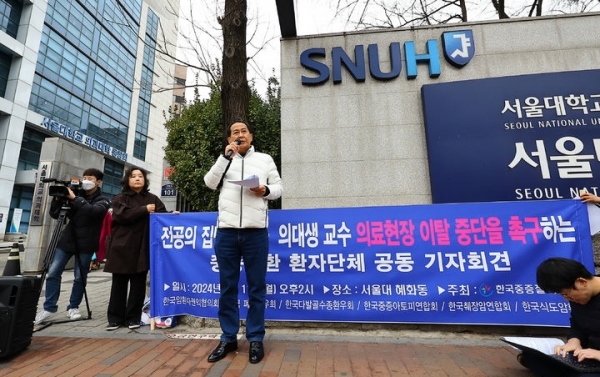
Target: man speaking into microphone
x,y
242,234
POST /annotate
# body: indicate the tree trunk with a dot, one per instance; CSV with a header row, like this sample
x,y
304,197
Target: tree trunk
x,y
500,9
235,92
463,10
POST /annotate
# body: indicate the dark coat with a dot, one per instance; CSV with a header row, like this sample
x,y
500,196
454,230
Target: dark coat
x,y
85,215
129,249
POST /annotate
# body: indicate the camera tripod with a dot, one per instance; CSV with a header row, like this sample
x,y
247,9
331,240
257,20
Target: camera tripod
x,y
56,233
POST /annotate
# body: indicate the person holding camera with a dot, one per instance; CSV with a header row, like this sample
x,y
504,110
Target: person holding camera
x,y
86,210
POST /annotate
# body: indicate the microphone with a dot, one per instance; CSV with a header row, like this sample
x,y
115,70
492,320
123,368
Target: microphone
x,y
238,142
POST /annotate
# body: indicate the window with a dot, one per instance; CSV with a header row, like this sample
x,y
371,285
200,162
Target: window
x,y
107,130
120,24
59,105
118,61
111,96
64,64
22,197
143,115
146,84
152,24
10,16
29,157
5,62
111,184
139,146
56,103
133,8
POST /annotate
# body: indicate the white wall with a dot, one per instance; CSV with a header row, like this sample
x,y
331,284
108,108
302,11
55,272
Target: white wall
x,y
13,107
66,160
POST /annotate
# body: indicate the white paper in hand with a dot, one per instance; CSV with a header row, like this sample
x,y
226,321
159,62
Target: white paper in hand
x,y
250,182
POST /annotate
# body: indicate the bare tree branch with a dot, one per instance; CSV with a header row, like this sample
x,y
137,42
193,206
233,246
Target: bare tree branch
x,y
371,14
200,44
386,13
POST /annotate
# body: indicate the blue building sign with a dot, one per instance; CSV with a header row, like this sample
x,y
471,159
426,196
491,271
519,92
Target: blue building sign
x,y
514,138
459,49
81,138
168,190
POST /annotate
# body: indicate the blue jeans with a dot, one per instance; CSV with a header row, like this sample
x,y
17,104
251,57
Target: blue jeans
x,y
231,245
54,276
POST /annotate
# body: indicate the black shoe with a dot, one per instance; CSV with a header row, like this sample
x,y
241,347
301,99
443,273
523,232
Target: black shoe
x,y
112,326
134,325
222,350
257,351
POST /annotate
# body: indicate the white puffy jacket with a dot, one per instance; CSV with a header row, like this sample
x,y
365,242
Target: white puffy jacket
x,y
238,206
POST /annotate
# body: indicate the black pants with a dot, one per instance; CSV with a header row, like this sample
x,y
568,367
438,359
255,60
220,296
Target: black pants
x,y
542,368
123,309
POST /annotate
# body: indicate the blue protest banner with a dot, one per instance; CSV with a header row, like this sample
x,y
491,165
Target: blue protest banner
x,y
470,263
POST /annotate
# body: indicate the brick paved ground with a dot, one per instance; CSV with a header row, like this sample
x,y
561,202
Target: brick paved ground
x,y
104,357
84,348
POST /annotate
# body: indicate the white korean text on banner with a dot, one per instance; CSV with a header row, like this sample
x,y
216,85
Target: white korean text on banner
x,y
471,263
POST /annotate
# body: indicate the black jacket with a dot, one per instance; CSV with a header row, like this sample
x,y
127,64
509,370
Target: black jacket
x,y
129,250
585,322
86,214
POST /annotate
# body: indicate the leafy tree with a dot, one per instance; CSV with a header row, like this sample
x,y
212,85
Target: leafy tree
x,y
265,118
195,139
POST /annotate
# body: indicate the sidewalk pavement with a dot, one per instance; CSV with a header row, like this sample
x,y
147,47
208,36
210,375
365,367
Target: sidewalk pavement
x,y
84,348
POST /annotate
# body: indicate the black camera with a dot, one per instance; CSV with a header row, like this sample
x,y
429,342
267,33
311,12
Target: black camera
x,y
59,188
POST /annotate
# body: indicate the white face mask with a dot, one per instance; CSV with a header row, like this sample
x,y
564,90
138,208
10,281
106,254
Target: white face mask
x,y
87,185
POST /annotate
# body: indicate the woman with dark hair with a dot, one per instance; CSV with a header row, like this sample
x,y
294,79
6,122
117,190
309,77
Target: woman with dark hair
x,y
128,255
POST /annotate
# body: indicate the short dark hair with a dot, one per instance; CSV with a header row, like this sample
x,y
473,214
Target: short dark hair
x,y
127,174
238,121
94,173
556,274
